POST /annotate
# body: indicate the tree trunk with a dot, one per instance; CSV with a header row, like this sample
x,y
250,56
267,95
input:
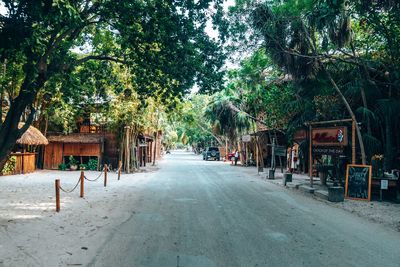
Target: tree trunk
x,y
155,148
388,160
134,149
212,134
364,69
353,117
365,104
9,132
1,106
260,154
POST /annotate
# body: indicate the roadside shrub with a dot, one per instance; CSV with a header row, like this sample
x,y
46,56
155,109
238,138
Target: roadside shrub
x,y
9,168
62,166
92,164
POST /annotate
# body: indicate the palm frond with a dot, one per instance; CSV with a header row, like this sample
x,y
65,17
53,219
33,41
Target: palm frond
x,y
366,114
372,145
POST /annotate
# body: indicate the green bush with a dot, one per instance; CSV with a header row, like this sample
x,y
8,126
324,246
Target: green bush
x,y
82,166
10,165
92,164
72,161
62,167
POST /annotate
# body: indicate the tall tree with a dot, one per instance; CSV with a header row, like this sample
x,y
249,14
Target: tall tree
x,y
162,41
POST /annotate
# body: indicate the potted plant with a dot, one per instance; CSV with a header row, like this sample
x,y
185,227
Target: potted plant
x,y
73,163
62,167
92,164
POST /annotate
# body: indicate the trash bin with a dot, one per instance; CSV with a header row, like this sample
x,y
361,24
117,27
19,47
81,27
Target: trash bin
x,y
271,174
336,194
287,178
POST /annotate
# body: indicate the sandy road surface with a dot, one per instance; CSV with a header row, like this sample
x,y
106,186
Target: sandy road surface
x,y
193,213
197,213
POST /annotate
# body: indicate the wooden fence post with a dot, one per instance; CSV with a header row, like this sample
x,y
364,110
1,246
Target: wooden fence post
x,y
57,184
105,175
119,169
82,184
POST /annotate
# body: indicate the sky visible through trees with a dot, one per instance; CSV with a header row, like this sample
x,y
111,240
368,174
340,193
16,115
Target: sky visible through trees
x,y
214,66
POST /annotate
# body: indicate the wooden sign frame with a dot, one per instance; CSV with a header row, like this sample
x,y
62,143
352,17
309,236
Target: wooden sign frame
x,y
369,181
332,134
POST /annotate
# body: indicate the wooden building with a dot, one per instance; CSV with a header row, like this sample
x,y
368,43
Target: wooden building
x,y
147,148
144,149
79,145
25,151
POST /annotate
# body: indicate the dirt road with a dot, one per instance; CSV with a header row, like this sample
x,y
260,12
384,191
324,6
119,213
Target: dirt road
x,y
196,213
193,213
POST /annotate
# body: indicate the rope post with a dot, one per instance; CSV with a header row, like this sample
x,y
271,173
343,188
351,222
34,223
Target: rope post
x,y
57,184
105,175
119,170
82,194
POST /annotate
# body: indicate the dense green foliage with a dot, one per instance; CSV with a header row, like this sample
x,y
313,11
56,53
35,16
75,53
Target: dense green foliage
x,y
163,44
92,164
10,165
133,64
192,126
314,61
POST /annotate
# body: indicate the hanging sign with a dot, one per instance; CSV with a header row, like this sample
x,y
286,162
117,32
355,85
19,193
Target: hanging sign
x,y
384,184
332,136
358,182
334,151
300,135
246,138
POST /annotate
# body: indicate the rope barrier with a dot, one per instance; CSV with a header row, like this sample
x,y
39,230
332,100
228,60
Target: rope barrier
x,y
72,190
81,180
94,180
97,178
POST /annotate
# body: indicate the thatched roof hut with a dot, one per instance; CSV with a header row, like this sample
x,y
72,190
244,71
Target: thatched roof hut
x,y
77,138
32,137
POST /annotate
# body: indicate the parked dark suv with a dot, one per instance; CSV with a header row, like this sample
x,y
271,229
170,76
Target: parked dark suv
x,y
211,153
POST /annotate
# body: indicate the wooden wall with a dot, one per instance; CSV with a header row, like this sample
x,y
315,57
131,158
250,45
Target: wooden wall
x,y
55,152
111,149
53,155
82,149
26,162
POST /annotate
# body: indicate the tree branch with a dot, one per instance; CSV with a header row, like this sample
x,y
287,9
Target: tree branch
x,y
211,133
28,122
96,57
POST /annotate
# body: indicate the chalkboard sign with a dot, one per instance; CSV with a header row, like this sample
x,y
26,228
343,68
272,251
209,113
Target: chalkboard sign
x,y
358,182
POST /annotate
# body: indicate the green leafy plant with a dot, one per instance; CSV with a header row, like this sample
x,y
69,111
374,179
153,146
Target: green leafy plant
x,y
83,166
92,164
9,167
72,161
62,167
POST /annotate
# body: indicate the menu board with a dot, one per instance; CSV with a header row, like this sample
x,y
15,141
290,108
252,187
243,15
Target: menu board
x,y
358,182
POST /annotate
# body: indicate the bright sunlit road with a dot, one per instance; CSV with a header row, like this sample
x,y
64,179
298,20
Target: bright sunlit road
x,y
196,213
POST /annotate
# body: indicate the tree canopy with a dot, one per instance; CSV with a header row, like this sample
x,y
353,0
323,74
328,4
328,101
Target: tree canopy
x,y
163,44
300,61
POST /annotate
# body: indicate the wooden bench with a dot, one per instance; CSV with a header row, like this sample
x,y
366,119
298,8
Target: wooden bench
x,y
393,185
